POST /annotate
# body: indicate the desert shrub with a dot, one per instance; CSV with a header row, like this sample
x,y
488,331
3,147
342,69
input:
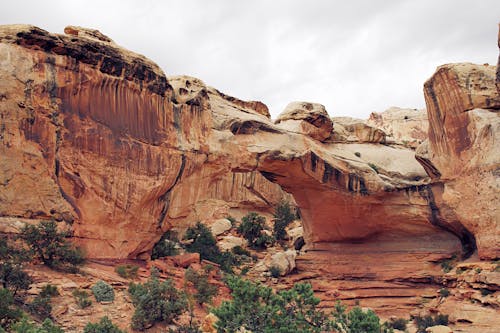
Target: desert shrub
x,y
358,154
251,227
444,292
155,301
9,313
127,271
427,321
103,292
47,326
374,167
239,251
105,325
51,246
204,243
82,298
257,308
41,307
166,246
397,324
12,275
283,216
275,271
204,290
263,241
49,290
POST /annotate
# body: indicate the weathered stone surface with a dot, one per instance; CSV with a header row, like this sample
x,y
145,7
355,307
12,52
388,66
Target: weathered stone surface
x,y
229,242
220,226
463,149
403,126
307,118
438,329
186,259
285,261
347,129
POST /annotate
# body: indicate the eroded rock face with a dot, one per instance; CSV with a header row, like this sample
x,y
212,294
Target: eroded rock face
x,y
463,148
346,129
126,153
403,126
307,118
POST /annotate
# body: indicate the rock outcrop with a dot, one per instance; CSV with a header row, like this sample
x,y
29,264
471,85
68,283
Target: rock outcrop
x,y
408,127
462,151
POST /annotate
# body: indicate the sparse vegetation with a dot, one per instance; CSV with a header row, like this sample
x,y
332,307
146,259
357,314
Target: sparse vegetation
x,y
49,290
374,167
358,154
486,292
444,292
51,246
283,216
239,251
9,314
397,324
251,228
204,243
127,271
155,301
41,306
427,321
82,298
47,326
204,290
12,274
103,292
275,271
166,246
105,325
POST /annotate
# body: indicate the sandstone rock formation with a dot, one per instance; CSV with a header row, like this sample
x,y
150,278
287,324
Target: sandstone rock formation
x,y
91,134
310,119
462,152
404,126
99,137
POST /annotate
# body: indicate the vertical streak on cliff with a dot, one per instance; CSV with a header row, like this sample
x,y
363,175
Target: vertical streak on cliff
x,y
165,197
466,237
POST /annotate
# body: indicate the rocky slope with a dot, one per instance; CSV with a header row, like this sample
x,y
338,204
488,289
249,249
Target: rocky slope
x,y
99,137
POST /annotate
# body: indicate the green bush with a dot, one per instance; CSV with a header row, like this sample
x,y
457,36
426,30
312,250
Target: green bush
x,y
47,326
127,271
103,292
204,243
283,216
263,241
374,167
204,290
257,308
239,251
275,271
363,321
82,298
166,246
12,275
105,325
397,324
251,228
49,290
41,307
155,301
444,292
51,246
427,321
9,314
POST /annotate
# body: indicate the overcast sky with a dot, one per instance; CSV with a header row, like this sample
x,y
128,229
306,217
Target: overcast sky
x,y
354,57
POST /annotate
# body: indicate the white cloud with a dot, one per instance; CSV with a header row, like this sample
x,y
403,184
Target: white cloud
x,y
354,57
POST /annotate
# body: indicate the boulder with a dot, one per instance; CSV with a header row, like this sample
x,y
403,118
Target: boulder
x,y
285,261
220,226
310,119
228,242
439,329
